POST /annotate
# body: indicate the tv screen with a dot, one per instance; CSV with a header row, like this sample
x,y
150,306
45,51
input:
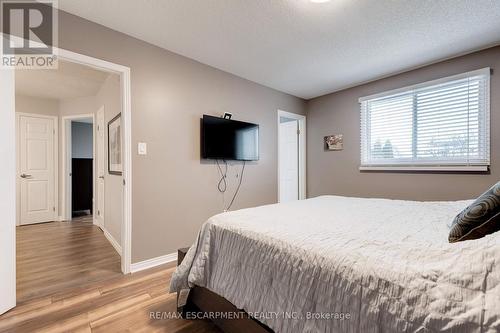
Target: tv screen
x,y
229,139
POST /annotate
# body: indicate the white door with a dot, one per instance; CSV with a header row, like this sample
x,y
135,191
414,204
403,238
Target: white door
x,y
101,166
36,170
7,190
289,161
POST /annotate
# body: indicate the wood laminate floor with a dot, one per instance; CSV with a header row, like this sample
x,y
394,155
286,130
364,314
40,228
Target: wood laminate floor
x,y
69,280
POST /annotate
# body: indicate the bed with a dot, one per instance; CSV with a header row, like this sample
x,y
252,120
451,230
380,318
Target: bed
x,y
340,264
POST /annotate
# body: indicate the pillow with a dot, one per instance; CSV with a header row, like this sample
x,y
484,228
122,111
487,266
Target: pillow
x,y
479,219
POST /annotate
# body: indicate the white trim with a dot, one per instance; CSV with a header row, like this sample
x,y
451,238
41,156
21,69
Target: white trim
x,y
302,151
113,241
8,178
482,71
150,263
66,157
55,119
67,186
124,72
470,168
17,180
127,170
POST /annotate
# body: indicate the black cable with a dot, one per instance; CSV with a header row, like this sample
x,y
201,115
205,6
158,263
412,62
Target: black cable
x,y
222,185
239,185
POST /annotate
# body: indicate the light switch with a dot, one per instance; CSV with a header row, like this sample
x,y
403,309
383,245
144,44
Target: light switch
x,y
142,148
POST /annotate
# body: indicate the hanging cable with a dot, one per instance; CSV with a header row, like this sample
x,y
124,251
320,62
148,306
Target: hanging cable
x,y
222,185
239,185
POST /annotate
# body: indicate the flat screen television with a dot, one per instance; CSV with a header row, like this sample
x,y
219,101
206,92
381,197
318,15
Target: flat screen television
x,y
226,139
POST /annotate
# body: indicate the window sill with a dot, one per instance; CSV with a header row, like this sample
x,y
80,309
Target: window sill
x,y
449,168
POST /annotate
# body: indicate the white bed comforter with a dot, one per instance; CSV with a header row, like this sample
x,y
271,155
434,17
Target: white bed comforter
x,y
384,263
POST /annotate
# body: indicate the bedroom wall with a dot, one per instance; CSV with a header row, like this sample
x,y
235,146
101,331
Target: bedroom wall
x,y
173,191
338,113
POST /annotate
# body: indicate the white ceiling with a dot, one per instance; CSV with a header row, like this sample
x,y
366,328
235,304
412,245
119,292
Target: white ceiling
x,y
303,48
69,81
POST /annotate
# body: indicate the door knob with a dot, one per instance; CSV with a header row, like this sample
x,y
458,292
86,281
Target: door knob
x,y
25,176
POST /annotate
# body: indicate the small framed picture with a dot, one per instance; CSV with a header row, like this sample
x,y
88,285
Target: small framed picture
x,y
334,142
115,166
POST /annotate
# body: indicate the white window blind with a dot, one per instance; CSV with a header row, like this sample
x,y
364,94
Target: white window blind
x,y
438,125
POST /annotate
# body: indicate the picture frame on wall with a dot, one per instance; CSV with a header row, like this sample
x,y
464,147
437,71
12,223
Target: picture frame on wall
x,y
115,165
334,142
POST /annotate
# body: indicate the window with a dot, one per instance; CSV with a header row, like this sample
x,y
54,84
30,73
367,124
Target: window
x,y
438,125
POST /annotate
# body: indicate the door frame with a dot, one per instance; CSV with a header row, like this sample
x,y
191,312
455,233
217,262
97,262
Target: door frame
x,y
98,175
301,119
8,178
126,110
18,163
66,149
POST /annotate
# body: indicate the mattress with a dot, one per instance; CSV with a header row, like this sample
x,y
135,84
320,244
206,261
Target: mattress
x,y
339,264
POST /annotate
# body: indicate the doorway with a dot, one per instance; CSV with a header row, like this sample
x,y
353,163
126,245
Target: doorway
x,y
55,126
291,156
79,165
8,177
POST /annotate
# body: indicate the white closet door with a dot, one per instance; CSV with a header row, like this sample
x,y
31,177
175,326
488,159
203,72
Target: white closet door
x,y
36,169
289,161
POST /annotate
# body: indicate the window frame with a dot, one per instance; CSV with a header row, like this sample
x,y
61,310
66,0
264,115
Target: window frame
x,y
412,165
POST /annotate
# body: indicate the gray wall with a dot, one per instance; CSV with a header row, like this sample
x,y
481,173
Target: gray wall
x,y
337,172
173,191
81,140
37,105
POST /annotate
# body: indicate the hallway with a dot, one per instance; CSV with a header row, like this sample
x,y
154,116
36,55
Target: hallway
x,y
56,256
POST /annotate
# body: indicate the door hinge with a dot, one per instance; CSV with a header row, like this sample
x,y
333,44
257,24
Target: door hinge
x,y
99,212
54,208
298,132
124,182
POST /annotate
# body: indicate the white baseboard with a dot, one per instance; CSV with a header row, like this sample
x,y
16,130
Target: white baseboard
x,y
150,263
113,242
